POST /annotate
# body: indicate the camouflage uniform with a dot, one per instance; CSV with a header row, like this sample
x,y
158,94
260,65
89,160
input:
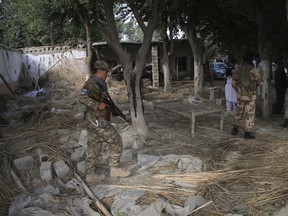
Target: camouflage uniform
x,y
246,96
103,136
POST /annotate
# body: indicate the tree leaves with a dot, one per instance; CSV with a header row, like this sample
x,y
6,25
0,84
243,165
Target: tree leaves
x,y
47,22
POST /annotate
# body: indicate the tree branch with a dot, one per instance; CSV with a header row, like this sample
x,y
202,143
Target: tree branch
x,y
112,31
137,15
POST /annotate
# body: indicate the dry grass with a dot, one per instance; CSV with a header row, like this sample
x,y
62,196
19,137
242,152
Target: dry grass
x,y
255,179
9,189
244,176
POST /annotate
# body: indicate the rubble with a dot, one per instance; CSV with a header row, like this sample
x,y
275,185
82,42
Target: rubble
x,y
24,163
83,139
170,171
46,171
61,169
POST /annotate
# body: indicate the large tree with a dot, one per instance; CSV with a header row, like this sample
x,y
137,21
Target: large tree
x,y
132,72
268,16
192,19
85,13
35,23
168,28
51,22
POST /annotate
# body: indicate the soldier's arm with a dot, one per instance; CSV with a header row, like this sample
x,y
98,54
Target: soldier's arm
x,y
90,96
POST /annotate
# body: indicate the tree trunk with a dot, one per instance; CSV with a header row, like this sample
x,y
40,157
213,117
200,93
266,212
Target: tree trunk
x,y
165,60
135,101
86,23
89,62
266,69
195,44
198,77
263,48
132,75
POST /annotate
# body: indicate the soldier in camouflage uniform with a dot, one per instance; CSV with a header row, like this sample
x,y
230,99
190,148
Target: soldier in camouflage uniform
x,y
245,81
102,135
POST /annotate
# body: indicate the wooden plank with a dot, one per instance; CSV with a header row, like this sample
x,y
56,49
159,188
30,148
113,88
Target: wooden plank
x,y
190,111
184,109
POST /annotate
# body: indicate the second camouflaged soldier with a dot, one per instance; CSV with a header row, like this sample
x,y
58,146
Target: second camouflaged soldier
x,y
102,134
245,81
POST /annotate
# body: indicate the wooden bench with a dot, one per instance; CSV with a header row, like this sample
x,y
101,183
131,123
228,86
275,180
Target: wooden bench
x,y
189,110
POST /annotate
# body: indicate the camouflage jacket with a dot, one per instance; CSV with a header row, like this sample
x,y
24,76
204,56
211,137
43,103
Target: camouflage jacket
x,y
250,93
93,92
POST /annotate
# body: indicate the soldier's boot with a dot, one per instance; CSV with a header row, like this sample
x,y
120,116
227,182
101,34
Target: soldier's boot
x,y
235,130
248,135
119,172
285,125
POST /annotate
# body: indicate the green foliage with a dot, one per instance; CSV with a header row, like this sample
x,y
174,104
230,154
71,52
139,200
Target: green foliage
x,y
47,22
228,31
228,25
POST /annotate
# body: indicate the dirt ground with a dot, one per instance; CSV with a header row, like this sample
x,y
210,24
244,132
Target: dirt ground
x,y
247,177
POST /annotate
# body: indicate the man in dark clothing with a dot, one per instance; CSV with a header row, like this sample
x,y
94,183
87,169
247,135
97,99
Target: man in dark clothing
x,y
280,86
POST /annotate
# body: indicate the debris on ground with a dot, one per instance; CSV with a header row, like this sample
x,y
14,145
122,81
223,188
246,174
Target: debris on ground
x,y
44,141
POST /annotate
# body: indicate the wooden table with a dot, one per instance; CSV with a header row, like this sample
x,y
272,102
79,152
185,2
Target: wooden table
x,y
190,111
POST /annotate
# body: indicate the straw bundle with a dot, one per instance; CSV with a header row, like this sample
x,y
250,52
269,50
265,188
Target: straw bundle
x,y
34,116
256,176
9,189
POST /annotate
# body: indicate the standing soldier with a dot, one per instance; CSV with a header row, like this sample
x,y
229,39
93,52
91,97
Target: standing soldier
x,y
245,81
94,96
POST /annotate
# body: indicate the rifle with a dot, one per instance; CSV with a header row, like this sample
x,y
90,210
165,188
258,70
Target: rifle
x,y
116,110
112,107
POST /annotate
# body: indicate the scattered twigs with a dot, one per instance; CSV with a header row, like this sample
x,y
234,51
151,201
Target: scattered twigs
x,y
98,204
201,207
200,177
35,116
9,188
209,128
267,198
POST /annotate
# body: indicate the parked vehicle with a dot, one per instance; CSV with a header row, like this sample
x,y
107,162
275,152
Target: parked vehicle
x,y
117,72
218,70
147,72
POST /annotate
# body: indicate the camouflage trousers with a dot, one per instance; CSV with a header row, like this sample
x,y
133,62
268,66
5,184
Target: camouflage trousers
x,y
104,143
247,109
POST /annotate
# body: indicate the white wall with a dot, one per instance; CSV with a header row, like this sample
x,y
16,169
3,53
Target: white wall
x,y
10,66
36,62
38,65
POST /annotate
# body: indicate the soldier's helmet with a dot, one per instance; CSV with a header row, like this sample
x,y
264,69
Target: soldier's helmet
x,y
100,64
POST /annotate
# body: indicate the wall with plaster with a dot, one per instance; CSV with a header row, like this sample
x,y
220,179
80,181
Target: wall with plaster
x,y
34,62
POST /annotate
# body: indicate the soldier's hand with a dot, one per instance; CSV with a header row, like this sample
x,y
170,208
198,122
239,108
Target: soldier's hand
x,y
101,106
